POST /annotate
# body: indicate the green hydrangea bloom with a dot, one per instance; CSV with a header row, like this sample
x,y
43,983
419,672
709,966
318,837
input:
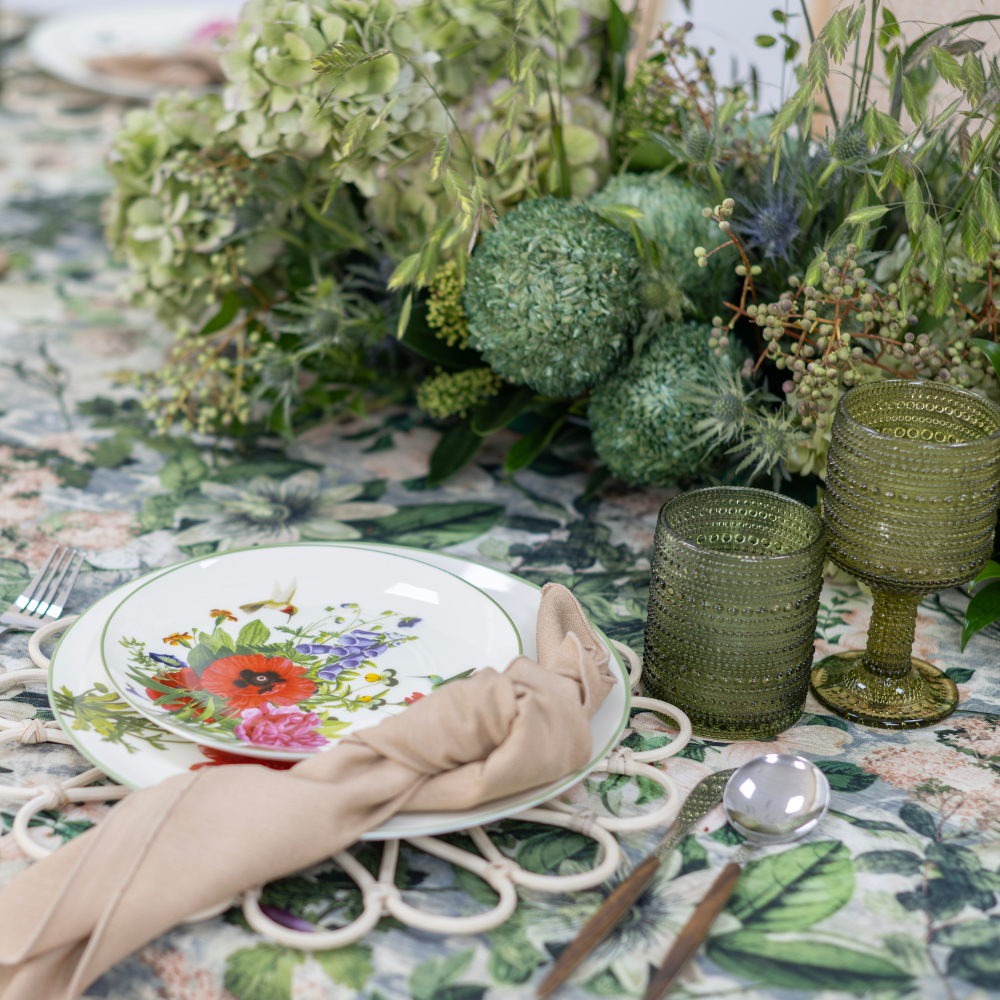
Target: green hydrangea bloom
x,y
672,218
640,420
184,214
449,394
552,297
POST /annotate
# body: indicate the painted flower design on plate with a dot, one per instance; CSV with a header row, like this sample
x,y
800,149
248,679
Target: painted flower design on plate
x,y
279,687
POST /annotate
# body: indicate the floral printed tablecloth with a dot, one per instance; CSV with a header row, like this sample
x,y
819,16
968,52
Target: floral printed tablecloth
x,y
895,893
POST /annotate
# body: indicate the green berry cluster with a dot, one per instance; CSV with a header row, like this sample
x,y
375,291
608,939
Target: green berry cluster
x,y
453,394
445,313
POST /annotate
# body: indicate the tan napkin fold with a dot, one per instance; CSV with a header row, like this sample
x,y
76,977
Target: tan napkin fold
x,y
198,839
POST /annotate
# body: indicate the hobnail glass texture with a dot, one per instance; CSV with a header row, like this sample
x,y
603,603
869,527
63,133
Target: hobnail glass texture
x,y
910,507
733,597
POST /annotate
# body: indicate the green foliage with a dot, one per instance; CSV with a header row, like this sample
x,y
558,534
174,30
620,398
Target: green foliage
x,y
671,217
640,421
262,973
552,298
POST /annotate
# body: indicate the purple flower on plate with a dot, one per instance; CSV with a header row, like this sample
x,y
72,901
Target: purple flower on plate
x,y
408,622
168,661
312,649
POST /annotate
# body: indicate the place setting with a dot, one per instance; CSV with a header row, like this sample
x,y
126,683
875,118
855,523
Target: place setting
x,y
291,655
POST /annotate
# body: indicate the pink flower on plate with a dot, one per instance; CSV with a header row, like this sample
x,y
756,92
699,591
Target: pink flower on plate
x,y
284,728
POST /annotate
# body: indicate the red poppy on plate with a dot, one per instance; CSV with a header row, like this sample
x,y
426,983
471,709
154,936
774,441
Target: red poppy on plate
x,y
184,680
253,681
416,696
216,758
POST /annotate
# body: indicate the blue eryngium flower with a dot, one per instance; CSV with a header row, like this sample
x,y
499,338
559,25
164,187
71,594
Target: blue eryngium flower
x,y
772,224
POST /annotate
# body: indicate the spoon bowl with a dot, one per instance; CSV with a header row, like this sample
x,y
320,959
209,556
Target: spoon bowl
x,y
776,798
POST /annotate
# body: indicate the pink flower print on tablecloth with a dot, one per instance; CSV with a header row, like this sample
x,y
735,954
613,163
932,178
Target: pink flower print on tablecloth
x,y
281,727
949,782
978,736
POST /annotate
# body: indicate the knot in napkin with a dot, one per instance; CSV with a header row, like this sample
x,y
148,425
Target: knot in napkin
x,y
70,917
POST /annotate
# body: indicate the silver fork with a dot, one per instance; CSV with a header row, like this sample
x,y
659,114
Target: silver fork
x,y
43,600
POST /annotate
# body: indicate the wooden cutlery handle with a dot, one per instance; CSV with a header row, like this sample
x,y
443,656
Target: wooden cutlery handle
x,y
597,927
695,931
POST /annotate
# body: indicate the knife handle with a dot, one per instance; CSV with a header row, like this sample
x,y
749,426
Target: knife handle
x,y
597,927
695,931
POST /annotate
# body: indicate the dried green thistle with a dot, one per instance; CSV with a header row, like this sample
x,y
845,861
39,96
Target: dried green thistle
x,y
450,394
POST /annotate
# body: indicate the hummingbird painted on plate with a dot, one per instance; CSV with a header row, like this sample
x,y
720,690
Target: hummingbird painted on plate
x,y
281,600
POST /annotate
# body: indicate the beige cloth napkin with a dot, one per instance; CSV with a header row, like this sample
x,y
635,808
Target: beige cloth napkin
x,y
198,839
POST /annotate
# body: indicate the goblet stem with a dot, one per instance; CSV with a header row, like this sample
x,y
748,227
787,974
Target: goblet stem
x,y
890,633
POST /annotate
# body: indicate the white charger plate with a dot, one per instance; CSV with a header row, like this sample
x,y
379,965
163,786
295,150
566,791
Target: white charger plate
x,y
138,754
227,652
61,45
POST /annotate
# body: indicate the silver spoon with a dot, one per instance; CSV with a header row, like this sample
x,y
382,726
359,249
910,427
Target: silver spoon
x,y
773,799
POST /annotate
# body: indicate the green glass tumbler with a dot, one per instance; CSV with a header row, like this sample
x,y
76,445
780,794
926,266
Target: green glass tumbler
x,y
910,506
733,597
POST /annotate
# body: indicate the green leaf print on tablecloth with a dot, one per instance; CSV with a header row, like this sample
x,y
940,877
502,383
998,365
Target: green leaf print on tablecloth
x,y
794,889
433,525
262,973
805,962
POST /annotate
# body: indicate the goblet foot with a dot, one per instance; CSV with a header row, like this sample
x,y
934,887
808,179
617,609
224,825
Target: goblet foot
x,y
921,697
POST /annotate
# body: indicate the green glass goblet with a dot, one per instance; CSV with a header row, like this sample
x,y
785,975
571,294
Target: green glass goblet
x,y
733,596
910,506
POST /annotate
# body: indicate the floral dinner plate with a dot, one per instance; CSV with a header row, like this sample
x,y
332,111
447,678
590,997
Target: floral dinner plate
x,y
138,753
234,653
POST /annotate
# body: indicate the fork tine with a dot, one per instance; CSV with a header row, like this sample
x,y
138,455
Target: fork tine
x,y
26,594
40,601
55,582
55,609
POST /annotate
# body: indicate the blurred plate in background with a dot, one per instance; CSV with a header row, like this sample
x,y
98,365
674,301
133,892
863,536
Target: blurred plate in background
x,y
135,53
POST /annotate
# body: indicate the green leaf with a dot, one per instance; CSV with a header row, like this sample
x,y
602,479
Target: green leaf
x,y
857,21
507,405
829,720
203,656
911,101
804,962
764,41
405,271
868,214
817,66
435,525
834,34
942,292
525,451
891,130
979,966
889,29
948,67
914,206
254,633
545,852
991,349
988,203
71,474
974,77
513,958
429,978
846,777
353,132
983,610
919,819
794,889
111,452
350,966
345,56
404,316
889,862
971,934
227,311
872,128
457,447
262,973
933,240
183,471
422,340
960,674
989,572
